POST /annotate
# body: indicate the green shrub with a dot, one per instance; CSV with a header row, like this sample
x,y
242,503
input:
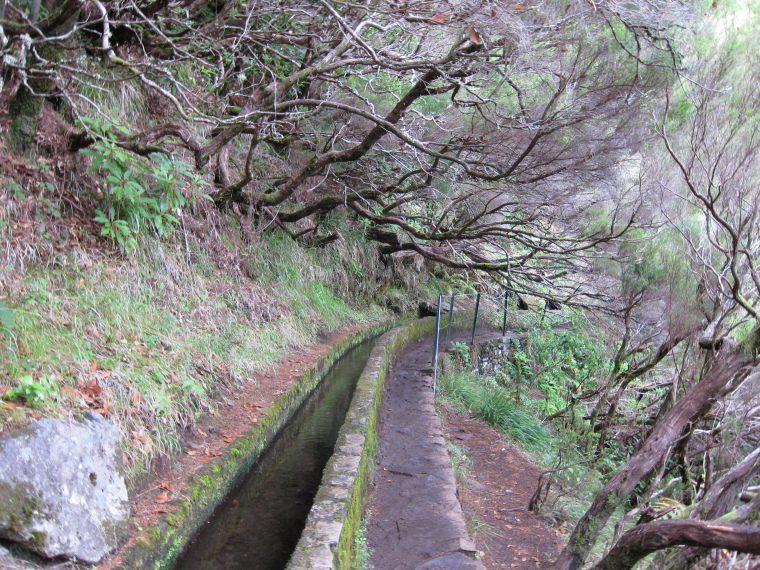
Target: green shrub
x,y
137,193
35,392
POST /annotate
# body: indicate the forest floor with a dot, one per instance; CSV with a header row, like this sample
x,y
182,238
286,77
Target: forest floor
x,y
499,484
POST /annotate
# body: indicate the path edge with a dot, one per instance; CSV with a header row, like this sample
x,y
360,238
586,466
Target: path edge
x,y
158,546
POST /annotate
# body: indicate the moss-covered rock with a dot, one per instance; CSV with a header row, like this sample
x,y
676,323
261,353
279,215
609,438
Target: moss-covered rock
x,y
62,492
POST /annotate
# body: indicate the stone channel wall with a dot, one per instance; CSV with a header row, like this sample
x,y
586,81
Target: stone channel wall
x,y
329,538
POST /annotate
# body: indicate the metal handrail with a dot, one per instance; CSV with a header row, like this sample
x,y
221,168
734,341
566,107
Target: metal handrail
x,y
437,332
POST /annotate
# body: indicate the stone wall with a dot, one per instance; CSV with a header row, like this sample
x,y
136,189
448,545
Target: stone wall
x,y
158,546
490,358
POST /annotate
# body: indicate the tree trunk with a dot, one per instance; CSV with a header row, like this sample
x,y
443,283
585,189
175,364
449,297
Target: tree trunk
x,y
26,104
647,538
718,381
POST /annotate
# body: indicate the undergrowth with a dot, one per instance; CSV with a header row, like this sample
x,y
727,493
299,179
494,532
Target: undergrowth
x,y
460,463
488,400
154,338
362,548
543,371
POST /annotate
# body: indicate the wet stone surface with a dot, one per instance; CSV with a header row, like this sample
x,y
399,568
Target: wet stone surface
x,y
61,488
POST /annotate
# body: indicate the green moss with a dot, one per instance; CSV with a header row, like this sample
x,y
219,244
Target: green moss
x,y
39,538
751,342
18,505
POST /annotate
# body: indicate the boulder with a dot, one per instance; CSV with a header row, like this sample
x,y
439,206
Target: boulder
x,y
62,492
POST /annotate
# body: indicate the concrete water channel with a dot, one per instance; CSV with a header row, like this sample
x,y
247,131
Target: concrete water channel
x,y
260,522
226,518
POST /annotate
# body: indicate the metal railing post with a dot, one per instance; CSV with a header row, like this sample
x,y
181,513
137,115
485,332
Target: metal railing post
x,y
504,322
435,342
475,318
451,316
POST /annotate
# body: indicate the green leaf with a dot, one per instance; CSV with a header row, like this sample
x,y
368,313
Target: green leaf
x,y
6,317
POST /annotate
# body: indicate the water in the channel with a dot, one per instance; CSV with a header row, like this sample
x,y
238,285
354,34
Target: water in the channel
x,y
259,524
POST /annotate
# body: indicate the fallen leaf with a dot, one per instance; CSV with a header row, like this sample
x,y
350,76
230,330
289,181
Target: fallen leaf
x,y
474,36
158,511
166,486
518,7
190,452
93,366
162,497
201,432
440,18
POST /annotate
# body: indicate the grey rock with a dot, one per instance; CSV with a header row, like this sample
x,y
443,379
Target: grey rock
x,y
61,489
456,561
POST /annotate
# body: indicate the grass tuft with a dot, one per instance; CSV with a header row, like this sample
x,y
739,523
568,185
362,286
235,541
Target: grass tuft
x,y
492,403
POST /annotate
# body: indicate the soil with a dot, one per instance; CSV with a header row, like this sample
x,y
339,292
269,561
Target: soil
x,y
495,497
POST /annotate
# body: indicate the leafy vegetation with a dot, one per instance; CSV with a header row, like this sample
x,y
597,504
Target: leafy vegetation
x,y
153,342
491,402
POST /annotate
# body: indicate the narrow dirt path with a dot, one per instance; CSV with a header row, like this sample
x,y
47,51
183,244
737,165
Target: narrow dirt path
x,y
416,520
494,499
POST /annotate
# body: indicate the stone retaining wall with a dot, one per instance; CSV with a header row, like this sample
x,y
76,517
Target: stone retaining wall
x,y
490,357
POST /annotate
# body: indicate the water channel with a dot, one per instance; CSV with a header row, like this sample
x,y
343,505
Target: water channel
x,y
260,522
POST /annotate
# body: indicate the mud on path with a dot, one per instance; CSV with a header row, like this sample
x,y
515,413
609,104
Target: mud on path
x,y
415,517
494,499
